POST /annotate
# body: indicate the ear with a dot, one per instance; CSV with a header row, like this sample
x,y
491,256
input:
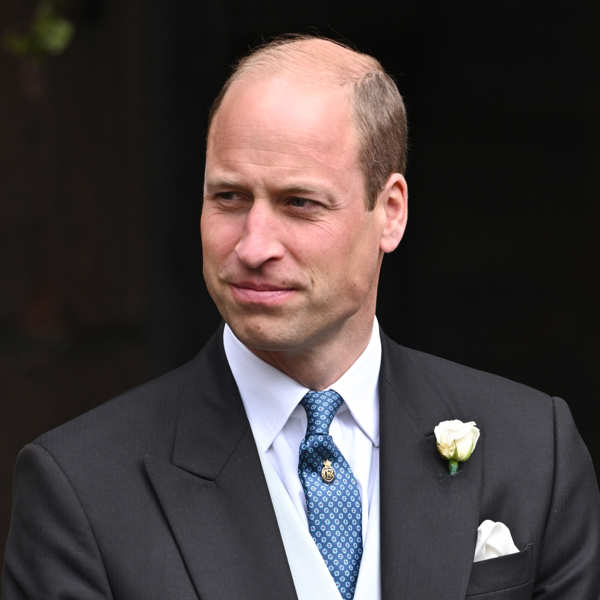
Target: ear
x,y
393,199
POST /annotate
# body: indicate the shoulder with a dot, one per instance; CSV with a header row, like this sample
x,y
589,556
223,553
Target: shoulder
x,y
123,428
502,407
138,421
460,383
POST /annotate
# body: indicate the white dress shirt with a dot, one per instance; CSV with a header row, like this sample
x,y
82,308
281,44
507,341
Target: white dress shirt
x,y
278,422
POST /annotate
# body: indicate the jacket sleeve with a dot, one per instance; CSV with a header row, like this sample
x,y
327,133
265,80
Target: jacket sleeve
x,y
569,560
51,551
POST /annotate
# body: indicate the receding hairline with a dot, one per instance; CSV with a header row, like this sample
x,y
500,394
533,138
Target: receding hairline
x,y
320,59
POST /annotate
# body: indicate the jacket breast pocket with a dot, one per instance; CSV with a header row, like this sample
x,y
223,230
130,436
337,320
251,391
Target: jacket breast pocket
x,y
496,577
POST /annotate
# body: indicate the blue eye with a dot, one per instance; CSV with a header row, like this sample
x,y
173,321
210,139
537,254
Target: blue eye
x,y
232,198
299,202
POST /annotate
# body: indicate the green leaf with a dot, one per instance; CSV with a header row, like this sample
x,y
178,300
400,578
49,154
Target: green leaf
x,y
52,34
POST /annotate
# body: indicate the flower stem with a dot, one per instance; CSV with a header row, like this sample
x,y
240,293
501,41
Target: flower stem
x,y
452,466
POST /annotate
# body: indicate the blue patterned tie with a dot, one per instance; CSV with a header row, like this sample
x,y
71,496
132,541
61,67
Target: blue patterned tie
x,y
332,496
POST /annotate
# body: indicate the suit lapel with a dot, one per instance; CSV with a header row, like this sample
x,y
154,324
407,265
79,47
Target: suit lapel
x,y
214,494
428,518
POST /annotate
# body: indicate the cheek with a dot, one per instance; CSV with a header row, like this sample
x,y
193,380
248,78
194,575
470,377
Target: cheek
x,y
218,239
347,253
362,264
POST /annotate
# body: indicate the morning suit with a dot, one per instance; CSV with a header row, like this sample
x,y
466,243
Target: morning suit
x,y
160,494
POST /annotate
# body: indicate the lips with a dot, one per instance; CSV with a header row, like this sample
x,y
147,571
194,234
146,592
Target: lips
x,y
259,286
254,292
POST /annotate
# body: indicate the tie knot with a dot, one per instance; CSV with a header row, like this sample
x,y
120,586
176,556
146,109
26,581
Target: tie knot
x,y
320,409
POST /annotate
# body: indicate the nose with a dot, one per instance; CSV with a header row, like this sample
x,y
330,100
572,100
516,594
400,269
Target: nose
x,y
260,240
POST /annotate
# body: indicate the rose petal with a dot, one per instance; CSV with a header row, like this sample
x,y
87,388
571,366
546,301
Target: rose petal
x,y
464,447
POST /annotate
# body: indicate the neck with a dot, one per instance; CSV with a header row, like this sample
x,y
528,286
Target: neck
x,y
322,364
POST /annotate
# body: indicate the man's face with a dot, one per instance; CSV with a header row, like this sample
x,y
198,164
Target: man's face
x,y
291,254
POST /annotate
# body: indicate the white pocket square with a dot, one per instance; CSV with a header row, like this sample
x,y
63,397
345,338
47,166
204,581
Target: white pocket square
x,y
493,540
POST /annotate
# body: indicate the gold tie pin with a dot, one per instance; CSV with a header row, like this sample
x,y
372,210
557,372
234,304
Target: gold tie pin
x,y
327,472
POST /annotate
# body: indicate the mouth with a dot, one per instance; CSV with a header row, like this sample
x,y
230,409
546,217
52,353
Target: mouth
x,y
248,292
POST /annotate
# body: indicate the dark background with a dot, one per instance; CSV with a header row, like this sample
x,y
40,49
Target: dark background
x,y
101,162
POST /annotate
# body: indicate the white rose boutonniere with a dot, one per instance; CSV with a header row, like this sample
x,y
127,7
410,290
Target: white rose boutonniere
x,y
456,441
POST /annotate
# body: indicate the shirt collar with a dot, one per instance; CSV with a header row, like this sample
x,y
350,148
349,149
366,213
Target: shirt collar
x,y
270,396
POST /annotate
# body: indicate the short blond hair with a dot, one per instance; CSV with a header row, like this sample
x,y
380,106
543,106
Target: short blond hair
x,y
378,108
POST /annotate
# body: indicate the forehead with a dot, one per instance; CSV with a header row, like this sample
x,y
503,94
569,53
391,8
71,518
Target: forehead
x,y
287,115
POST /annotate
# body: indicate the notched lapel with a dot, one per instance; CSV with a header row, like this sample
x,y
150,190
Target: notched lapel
x,y
214,494
429,519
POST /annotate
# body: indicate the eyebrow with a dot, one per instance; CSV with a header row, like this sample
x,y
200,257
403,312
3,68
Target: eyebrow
x,y
291,188
303,189
222,183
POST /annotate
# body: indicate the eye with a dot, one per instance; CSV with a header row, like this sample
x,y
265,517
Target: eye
x,y
227,196
230,199
298,202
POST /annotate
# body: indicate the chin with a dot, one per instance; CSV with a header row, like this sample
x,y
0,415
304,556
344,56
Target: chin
x,y
264,341
267,337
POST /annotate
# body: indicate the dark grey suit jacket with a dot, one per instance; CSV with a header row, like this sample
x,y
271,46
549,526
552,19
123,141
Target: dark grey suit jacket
x,y
159,494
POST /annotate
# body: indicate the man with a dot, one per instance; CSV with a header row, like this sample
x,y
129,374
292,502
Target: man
x,y
295,456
